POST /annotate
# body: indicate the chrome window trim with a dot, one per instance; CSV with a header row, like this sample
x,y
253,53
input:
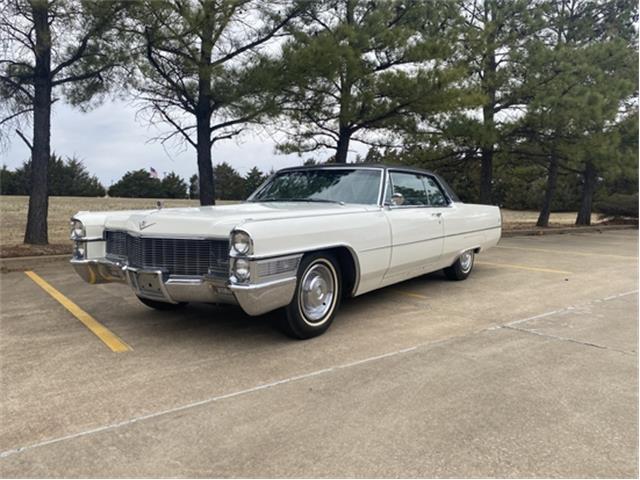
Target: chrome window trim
x,y
449,204
322,167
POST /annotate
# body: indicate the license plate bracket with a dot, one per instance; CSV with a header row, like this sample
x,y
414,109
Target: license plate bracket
x,y
149,284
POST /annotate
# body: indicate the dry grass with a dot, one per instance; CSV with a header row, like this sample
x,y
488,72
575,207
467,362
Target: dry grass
x,y
13,215
13,219
526,219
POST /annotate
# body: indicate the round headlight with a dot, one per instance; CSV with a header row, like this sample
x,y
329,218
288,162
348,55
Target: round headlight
x,y
77,229
241,269
241,243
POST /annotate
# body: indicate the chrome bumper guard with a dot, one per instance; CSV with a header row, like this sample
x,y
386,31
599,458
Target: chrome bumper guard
x,y
254,299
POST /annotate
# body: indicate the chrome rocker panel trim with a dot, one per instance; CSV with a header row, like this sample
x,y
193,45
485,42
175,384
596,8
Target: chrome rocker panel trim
x,y
254,299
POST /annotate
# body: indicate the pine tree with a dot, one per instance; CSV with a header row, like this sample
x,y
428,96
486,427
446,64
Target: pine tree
x,y
252,180
495,39
582,73
207,70
229,184
357,69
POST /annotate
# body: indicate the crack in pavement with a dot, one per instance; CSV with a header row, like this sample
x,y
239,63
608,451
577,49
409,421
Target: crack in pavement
x,y
567,339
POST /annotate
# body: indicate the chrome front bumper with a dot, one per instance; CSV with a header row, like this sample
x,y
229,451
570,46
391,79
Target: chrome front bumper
x,y
254,299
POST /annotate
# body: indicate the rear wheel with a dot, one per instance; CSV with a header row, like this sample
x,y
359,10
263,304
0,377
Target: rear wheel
x,y
157,305
317,296
462,267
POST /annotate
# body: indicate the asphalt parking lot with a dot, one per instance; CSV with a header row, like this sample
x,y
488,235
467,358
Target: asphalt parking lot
x,y
528,368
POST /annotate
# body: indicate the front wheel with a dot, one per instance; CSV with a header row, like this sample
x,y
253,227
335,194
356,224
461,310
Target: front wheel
x,y
157,305
462,267
317,296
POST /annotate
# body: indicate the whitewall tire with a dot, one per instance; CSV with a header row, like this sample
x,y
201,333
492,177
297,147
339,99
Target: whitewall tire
x,y
317,296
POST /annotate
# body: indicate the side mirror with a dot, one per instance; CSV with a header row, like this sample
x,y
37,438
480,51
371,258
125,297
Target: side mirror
x,y
397,199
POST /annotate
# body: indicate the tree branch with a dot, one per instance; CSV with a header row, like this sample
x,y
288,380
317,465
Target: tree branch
x,y
16,114
84,76
24,139
257,41
175,125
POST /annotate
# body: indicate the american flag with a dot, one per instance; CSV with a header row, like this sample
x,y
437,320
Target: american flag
x,y
153,173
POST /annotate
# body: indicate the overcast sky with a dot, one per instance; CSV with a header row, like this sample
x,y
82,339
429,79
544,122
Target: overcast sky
x,y
110,141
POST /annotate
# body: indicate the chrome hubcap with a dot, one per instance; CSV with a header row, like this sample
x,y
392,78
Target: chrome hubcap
x,y
466,261
317,292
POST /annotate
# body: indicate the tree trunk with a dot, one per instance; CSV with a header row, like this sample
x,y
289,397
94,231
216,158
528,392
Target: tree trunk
x,y
489,86
205,166
204,112
36,232
552,181
486,175
344,132
589,176
342,149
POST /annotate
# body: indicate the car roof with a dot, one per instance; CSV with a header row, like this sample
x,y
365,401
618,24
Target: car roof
x,y
362,166
352,166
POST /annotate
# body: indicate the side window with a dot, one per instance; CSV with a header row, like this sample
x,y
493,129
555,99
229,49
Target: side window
x,y
411,187
434,193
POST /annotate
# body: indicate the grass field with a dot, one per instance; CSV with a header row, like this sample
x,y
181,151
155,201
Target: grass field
x,y
13,215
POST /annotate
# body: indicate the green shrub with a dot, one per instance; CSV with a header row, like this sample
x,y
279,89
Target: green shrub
x,y
173,186
137,184
65,178
619,205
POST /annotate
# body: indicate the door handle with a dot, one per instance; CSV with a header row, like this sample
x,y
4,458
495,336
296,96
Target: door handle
x,y
438,214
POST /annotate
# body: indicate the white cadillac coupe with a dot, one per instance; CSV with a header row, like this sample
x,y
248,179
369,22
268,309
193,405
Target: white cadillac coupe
x,y
306,238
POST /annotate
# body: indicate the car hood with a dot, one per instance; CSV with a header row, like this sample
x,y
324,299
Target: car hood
x,y
218,221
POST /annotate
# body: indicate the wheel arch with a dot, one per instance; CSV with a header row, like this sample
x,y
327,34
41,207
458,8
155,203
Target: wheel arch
x,y
349,266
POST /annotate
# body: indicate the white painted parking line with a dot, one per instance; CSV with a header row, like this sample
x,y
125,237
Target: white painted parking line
x,y
567,252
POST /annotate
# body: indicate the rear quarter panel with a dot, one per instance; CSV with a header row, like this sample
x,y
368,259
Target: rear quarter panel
x,y
468,225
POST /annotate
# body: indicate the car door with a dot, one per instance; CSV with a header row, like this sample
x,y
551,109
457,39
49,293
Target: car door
x,y
417,228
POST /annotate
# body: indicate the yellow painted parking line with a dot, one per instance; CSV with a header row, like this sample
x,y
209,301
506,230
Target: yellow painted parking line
x,y
568,252
524,267
103,333
412,294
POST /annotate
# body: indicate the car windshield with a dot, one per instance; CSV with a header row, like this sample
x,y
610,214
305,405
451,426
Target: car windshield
x,y
340,185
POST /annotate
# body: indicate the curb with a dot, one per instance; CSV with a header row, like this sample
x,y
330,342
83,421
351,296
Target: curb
x,y
13,264
563,230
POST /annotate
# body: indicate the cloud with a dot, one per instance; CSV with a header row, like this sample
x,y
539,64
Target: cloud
x,y
110,141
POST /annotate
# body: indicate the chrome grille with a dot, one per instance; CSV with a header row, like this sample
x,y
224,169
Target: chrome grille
x,y
176,256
